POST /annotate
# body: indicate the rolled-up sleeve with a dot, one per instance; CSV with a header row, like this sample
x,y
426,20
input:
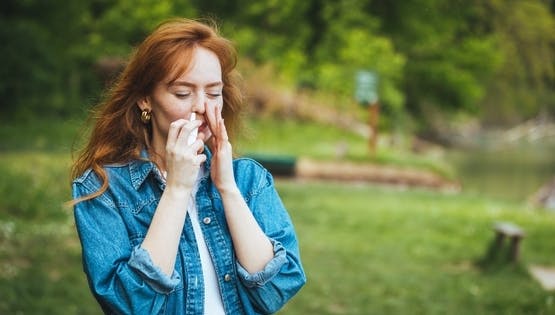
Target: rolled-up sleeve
x,y
123,278
141,262
271,269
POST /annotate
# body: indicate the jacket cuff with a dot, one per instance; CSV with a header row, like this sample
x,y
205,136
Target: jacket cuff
x,y
141,262
272,268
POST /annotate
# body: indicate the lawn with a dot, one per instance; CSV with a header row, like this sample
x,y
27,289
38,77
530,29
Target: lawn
x,y
366,249
375,250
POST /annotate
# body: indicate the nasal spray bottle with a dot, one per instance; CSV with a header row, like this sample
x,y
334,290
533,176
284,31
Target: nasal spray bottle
x,y
193,135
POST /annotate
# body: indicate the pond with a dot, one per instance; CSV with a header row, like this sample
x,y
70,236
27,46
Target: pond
x,y
511,173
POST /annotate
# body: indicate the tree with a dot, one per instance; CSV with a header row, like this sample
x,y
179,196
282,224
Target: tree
x,y
524,83
448,58
486,57
39,72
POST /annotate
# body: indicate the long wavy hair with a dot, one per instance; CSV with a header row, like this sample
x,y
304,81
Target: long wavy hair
x,y
118,135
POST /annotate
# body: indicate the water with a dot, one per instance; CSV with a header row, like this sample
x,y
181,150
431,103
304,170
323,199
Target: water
x,y
512,173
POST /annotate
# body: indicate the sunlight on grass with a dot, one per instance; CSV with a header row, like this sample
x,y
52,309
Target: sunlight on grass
x,y
40,180
371,250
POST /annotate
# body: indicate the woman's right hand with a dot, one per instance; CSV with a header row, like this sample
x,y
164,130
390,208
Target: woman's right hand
x,y
183,160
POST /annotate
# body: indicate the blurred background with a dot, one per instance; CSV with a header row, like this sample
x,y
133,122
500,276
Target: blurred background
x,y
394,184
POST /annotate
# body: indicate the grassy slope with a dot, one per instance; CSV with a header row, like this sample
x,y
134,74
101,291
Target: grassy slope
x,y
366,249
371,250
318,141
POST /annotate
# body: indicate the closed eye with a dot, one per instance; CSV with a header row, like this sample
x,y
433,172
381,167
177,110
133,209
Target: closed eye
x,y
182,95
214,94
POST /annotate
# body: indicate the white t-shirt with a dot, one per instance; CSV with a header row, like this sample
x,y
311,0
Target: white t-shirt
x,y
213,304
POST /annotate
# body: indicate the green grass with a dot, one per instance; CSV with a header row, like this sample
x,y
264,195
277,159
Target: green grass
x,y
43,135
366,249
40,263
371,250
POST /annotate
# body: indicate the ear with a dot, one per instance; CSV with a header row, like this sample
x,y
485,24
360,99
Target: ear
x,y
144,103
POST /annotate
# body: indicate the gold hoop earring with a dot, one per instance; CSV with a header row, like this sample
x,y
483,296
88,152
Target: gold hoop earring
x,y
145,116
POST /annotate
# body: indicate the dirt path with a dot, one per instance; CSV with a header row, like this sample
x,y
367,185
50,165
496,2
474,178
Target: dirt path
x,y
349,171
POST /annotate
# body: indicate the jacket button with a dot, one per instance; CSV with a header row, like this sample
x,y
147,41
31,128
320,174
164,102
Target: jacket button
x,y
227,277
207,220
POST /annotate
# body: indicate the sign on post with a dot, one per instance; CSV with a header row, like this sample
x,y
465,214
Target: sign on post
x,y
366,94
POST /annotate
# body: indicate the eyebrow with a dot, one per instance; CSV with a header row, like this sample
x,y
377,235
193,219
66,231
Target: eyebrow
x,y
189,84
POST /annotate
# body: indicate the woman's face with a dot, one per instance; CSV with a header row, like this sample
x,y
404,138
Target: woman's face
x,y
198,90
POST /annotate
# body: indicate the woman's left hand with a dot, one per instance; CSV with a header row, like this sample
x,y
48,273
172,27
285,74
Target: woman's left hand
x,y
251,245
222,160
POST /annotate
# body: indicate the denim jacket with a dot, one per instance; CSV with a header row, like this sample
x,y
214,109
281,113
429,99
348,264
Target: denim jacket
x,y
124,280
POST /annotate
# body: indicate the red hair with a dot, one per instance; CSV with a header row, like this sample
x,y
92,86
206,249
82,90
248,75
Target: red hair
x,y
118,135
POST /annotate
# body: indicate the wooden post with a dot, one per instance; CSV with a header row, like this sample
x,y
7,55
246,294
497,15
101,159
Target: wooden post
x,y
514,251
373,118
366,94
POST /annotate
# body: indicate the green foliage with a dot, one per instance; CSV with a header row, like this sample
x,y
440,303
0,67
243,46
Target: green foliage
x,y
523,84
352,43
357,49
485,57
117,26
263,32
40,72
447,61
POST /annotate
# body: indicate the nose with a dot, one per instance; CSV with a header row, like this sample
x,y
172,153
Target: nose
x,y
199,104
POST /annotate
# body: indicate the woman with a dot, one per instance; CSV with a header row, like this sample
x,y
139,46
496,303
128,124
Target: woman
x,y
169,223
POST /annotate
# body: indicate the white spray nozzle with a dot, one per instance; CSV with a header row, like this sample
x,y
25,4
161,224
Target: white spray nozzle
x,y
193,135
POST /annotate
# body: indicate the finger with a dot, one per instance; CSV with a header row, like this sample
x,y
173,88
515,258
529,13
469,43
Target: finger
x,y
197,146
216,131
219,111
223,131
199,159
186,130
174,130
201,136
212,121
218,115
212,143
